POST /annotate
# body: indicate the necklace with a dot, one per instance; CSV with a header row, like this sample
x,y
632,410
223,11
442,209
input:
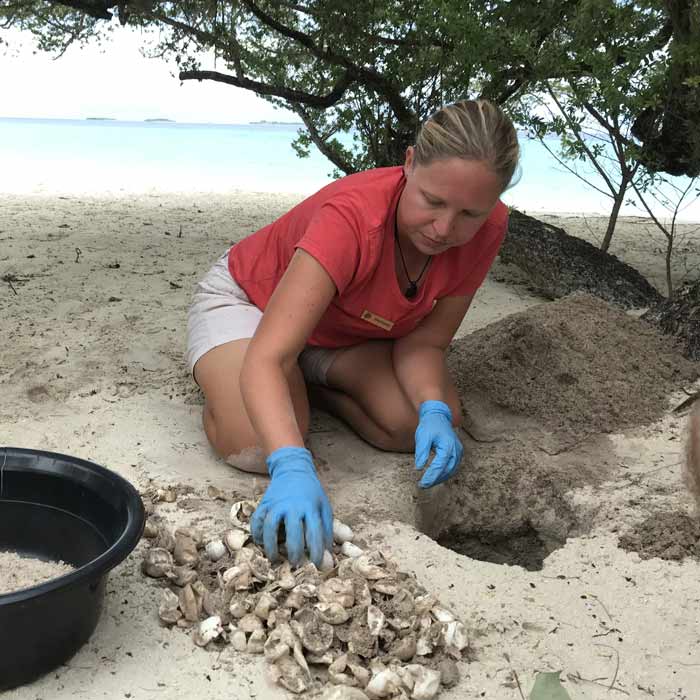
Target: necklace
x,y
412,288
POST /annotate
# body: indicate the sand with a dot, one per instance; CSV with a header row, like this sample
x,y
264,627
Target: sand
x,y
19,572
566,524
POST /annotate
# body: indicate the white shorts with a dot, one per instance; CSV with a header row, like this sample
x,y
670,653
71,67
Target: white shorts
x,y
221,312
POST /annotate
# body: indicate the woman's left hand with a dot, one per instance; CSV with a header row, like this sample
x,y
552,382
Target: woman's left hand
x,y
435,432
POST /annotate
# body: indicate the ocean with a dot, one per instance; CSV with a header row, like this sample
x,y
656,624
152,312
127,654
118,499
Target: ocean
x,y
62,156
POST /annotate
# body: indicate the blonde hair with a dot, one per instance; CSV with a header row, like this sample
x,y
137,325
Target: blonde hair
x,y
471,130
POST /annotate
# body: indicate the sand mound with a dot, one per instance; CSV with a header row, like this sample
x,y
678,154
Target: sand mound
x,y
678,316
540,389
671,535
577,366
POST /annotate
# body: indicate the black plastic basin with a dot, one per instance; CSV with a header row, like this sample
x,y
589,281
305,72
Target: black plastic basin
x,y
56,507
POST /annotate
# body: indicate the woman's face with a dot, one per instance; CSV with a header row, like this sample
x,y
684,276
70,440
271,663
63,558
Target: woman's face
x,y
445,202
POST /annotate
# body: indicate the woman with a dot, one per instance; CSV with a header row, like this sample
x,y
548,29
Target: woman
x,y
355,295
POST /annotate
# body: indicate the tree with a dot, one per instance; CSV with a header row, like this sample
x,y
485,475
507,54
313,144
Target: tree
x,y
601,142
375,69
668,125
631,53
673,199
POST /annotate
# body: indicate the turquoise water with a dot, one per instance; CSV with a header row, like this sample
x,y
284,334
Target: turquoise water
x,y
87,155
62,156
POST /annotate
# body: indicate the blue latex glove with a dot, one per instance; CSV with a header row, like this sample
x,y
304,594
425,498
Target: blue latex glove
x,y
296,499
435,432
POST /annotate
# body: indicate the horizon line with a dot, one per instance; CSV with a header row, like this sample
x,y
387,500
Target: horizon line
x,y
162,120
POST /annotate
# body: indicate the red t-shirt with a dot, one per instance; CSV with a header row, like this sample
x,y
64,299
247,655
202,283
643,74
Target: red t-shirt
x,y
348,226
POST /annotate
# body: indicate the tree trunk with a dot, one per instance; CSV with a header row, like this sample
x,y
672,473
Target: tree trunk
x,y
558,264
612,221
669,256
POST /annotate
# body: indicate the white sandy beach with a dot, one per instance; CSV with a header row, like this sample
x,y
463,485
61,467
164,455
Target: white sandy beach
x,y
93,300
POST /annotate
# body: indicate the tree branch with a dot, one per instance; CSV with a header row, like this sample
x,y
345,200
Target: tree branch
x,y
379,38
615,131
99,9
575,130
369,76
294,96
566,166
204,38
299,37
507,83
506,92
73,37
320,143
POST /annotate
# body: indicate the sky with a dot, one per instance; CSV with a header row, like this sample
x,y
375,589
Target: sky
x,y
116,81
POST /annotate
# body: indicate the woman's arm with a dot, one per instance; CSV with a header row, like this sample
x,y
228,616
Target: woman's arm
x,y
294,309
419,357
294,497
419,363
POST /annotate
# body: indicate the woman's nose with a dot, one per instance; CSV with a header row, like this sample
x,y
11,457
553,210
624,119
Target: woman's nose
x,y
443,225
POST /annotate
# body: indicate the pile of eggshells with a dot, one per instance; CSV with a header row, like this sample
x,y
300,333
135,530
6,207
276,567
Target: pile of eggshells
x,y
355,629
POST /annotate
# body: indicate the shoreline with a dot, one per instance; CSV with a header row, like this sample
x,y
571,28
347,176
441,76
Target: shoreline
x,y
292,198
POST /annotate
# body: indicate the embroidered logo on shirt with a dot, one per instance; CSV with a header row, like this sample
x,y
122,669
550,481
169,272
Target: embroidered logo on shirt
x,y
376,320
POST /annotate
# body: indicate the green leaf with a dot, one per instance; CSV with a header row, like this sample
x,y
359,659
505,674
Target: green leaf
x,y
548,687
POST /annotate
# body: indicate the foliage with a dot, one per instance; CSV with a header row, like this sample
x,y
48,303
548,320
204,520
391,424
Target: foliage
x,y
587,146
377,69
631,53
643,83
673,199
55,27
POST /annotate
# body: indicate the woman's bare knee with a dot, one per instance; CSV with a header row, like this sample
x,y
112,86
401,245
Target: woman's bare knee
x,y
225,434
398,435
396,442
401,430
225,418
250,459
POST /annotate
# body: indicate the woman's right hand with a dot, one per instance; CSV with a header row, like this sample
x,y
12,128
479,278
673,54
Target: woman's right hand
x,y
296,499
435,431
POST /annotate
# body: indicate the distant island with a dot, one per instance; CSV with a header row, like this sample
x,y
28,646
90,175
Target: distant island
x,y
265,121
100,119
157,119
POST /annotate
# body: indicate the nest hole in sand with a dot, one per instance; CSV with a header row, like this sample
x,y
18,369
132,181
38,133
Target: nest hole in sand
x,y
506,507
521,548
540,391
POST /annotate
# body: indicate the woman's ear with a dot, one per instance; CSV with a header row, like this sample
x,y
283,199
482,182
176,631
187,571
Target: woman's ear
x,y
408,162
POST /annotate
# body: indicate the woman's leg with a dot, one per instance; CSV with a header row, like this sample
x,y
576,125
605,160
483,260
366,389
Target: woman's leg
x,y
363,391
226,422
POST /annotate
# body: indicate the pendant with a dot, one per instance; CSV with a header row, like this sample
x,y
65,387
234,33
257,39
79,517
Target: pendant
x,y
411,290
